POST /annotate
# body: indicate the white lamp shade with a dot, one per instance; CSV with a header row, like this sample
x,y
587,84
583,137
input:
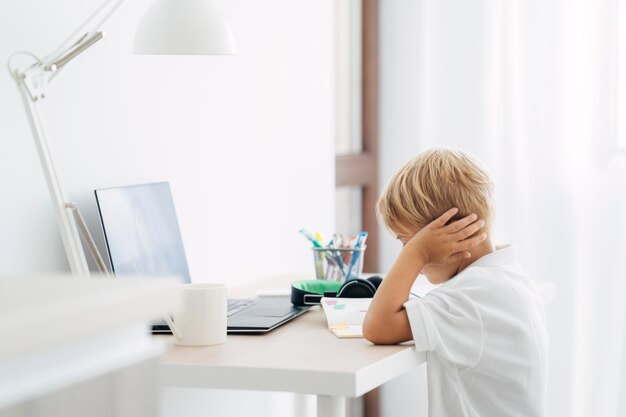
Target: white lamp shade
x,y
184,27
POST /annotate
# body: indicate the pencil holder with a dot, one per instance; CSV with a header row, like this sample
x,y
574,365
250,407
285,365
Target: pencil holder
x,y
338,264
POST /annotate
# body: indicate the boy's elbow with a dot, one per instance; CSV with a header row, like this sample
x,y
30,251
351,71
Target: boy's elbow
x,y
385,331
369,332
376,332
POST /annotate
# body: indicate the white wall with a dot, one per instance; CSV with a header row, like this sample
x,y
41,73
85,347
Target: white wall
x,y
245,141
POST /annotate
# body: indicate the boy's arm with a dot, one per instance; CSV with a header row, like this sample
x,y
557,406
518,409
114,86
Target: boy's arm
x,y
386,321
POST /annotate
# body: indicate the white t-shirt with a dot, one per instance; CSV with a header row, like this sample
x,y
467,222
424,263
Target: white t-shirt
x,y
485,340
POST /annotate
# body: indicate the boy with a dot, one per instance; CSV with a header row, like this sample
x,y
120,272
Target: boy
x,y
483,329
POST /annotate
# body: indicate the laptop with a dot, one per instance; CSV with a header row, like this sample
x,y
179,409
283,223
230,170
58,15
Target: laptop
x,y
143,238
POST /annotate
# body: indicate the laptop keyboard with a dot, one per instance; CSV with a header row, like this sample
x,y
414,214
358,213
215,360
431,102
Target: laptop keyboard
x,y
235,306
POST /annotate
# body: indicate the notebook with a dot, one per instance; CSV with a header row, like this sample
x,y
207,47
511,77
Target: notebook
x,y
143,238
345,315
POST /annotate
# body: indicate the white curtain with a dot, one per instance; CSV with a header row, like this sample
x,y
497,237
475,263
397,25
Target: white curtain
x,y
555,77
532,87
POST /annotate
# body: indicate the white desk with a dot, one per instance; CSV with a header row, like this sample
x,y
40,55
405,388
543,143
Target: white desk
x,y
69,343
302,356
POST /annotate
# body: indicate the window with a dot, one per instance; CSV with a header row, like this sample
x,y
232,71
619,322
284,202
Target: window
x,y
356,146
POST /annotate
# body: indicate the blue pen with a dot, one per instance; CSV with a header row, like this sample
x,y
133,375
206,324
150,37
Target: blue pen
x,y
337,257
360,240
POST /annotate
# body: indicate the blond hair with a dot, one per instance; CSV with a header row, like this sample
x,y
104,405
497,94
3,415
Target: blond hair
x,y
433,182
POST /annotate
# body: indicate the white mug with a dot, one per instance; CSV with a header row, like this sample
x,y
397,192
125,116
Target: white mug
x,y
201,320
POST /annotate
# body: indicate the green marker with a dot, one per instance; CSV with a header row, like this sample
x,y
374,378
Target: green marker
x,y
312,238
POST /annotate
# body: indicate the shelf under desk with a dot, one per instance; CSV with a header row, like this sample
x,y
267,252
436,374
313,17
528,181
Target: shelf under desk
x,y
301,356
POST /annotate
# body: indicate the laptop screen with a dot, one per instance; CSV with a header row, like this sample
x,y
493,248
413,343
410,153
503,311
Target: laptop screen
x,y
141,231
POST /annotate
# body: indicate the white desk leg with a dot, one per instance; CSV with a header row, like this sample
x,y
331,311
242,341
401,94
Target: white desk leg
x,y
303,404
331,406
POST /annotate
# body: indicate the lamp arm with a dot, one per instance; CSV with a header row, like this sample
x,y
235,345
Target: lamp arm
x,y
32,82
67,225
85,42
105,11
38,76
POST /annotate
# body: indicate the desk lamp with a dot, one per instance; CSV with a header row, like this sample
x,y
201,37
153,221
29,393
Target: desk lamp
x,y
169,27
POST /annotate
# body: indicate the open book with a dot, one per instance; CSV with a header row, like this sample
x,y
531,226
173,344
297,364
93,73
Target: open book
x,y
345,315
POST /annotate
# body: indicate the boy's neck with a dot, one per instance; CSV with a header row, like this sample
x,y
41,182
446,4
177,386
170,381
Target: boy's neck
x,y
485,248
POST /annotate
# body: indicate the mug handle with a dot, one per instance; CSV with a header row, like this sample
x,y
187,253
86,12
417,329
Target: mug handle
x,y
172,327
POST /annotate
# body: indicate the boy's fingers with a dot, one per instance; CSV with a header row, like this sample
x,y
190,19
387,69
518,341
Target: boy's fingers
x,y
469,230
460,224
443,219
468,244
